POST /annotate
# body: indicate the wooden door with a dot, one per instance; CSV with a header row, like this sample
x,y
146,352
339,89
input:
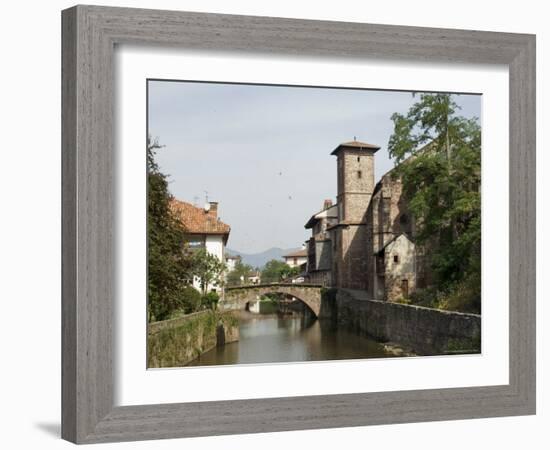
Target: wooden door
x,y
405,288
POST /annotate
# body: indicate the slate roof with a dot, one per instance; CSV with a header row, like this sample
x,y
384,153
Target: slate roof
x,y
356,145
391,241
313,219
198,221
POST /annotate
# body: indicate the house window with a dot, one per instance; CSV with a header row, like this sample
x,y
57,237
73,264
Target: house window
x,y
358,159
395,258
195,243
359,174
295,261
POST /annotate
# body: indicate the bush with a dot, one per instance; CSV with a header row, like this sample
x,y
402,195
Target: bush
x,y
464,296
210,300
403,301
427,297
190,299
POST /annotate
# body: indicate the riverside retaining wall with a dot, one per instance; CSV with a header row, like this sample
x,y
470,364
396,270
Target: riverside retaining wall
x,y
176,342
425,331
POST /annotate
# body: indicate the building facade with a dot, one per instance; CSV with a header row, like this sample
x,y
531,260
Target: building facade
x,y
398,269
204,230
351,236
297,258
370,232
231,262
319,246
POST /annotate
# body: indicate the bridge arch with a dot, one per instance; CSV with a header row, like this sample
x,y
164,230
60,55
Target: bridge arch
x,y
238,297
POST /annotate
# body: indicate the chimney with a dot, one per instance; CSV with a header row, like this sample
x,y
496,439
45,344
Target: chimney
x,y
213,209
327,204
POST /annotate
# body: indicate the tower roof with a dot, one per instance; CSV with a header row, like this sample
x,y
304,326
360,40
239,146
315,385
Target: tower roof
x,y
356,145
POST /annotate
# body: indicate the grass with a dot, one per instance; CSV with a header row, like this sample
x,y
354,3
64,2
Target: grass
x,y
179,343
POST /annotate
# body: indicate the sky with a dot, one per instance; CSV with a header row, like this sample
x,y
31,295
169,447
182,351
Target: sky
x,y
263,152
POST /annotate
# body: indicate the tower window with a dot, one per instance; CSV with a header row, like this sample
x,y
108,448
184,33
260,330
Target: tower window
x,y
358,159
359,174
395,258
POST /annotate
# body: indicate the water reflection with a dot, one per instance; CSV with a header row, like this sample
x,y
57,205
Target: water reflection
x,y
290,338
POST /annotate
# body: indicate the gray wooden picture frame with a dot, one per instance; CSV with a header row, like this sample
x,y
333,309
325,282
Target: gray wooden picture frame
x,y
89,36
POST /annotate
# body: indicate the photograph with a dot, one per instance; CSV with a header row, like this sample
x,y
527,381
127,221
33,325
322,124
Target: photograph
x,y
273,225
301,223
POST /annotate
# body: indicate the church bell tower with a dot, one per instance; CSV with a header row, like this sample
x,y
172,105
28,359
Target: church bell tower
x,y
355,173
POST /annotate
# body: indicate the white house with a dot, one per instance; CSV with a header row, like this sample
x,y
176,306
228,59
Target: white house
x,y
231,262
205,230
395,267
254,277
296,258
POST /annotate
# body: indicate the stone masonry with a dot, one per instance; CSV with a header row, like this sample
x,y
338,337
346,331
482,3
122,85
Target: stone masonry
x,y
372,235
237,297
351,235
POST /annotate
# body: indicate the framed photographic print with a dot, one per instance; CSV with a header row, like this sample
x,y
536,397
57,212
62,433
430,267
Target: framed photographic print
x,y
268,222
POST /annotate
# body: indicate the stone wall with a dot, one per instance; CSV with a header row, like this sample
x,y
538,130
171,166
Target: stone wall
x,y
323,254
389,218
320,277
424,331
176,342
355,184
350,267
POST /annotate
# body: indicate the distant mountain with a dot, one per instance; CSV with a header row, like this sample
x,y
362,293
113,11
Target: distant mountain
x,y
259,259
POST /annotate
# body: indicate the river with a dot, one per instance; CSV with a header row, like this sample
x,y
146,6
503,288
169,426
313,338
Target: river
x,y
266,338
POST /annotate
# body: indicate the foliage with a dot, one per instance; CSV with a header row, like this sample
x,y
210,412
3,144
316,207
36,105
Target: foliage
x,y
210,300
275,271
403,301
191,299
271,297
207,267
465,345
241,270
168,261
182,341
427,297
463,296
439,157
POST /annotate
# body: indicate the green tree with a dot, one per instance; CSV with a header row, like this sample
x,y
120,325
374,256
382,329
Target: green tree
x,y
440,156
275,271
191,299
207,267
210,300
168,261
241,270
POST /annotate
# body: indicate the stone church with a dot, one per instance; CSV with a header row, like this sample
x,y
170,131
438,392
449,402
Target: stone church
x,y
366,240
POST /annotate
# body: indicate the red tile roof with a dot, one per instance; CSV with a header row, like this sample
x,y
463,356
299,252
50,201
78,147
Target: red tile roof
x,y
198,221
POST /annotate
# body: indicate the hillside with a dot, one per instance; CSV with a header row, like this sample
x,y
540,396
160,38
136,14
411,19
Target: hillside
x,y
259,259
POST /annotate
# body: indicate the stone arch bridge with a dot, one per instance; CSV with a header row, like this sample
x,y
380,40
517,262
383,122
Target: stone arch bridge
x,y
237,297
